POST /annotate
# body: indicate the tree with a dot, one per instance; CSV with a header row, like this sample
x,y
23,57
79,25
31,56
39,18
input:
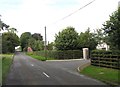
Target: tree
x,y
31,43
36,45
3,25
50,46
67,39
24,40
87,40
99,35
39,45
37,36
9,42
12,30
112,29
35,42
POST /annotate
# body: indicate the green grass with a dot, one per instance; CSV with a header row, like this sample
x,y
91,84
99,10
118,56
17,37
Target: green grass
x,y
0,69
107,75
39,57
6,63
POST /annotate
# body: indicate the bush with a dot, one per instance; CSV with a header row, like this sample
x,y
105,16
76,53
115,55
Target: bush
x,y
68,54
113,52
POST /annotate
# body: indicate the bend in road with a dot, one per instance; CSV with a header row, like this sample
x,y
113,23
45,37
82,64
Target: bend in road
x,y
28,71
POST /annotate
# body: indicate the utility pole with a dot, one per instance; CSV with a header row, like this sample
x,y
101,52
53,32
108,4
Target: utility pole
x,y
45,48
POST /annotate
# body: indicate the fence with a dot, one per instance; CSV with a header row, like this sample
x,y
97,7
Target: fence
x,y
109,59
69,54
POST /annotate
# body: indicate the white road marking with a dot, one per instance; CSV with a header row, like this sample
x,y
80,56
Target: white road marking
x,y
46,74
32,65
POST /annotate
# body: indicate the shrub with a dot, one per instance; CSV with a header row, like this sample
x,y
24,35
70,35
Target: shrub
x,y
68,54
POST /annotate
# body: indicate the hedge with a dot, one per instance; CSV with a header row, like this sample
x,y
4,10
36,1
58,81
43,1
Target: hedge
x,y
68,54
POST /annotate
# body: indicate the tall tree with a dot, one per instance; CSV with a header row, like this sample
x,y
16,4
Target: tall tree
x,y
9,42
37,36
112,30
39,45
24,40
66,39
3,25
12,30
87,40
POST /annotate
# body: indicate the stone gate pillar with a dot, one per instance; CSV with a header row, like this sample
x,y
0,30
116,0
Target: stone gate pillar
x,y
85,53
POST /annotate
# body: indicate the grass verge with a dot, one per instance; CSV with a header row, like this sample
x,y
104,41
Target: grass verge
x,y
39,57
6,63
107,75
0,70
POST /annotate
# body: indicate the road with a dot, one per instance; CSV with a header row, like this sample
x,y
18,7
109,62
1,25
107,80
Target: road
x,y
28,71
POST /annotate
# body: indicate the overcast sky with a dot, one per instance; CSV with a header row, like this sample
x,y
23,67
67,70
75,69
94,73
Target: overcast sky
x,y
33,15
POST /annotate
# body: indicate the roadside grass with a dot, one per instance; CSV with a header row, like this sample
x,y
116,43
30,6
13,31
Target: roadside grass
x,y
107,75
0,70
6,63
39,57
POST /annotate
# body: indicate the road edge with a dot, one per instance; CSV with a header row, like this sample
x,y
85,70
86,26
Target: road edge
x,y
83,66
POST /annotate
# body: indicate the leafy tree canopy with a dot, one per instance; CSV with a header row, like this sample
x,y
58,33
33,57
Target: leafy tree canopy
x,y
37,36
9,42
24,39
66,39
112,30
87,40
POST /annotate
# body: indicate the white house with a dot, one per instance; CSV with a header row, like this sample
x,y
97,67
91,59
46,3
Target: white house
x,y
103,46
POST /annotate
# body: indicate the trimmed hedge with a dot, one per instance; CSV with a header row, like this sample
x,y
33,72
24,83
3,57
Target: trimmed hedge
x,y
109,59
68,54
112,52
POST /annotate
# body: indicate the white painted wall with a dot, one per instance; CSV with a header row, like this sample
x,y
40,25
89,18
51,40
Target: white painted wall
x,y
103,46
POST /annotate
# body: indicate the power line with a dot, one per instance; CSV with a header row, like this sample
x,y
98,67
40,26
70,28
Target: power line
x,y
74,12
77,10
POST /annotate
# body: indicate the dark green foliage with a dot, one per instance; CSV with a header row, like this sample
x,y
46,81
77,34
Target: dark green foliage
x,y
87,40
114,52
36,45
12,30
3,26
9,42
24,40
68,54
112,30
67,39
50,46
37,36
31,40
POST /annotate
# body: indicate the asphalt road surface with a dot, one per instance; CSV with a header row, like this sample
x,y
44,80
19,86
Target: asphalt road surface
x,y
28,71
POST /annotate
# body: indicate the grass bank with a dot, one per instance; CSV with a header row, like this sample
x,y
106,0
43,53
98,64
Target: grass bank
x,y
0,70
107,75
6,63
38,57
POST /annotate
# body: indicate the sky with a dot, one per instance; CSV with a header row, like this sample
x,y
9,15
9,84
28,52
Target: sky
x,y
33,15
